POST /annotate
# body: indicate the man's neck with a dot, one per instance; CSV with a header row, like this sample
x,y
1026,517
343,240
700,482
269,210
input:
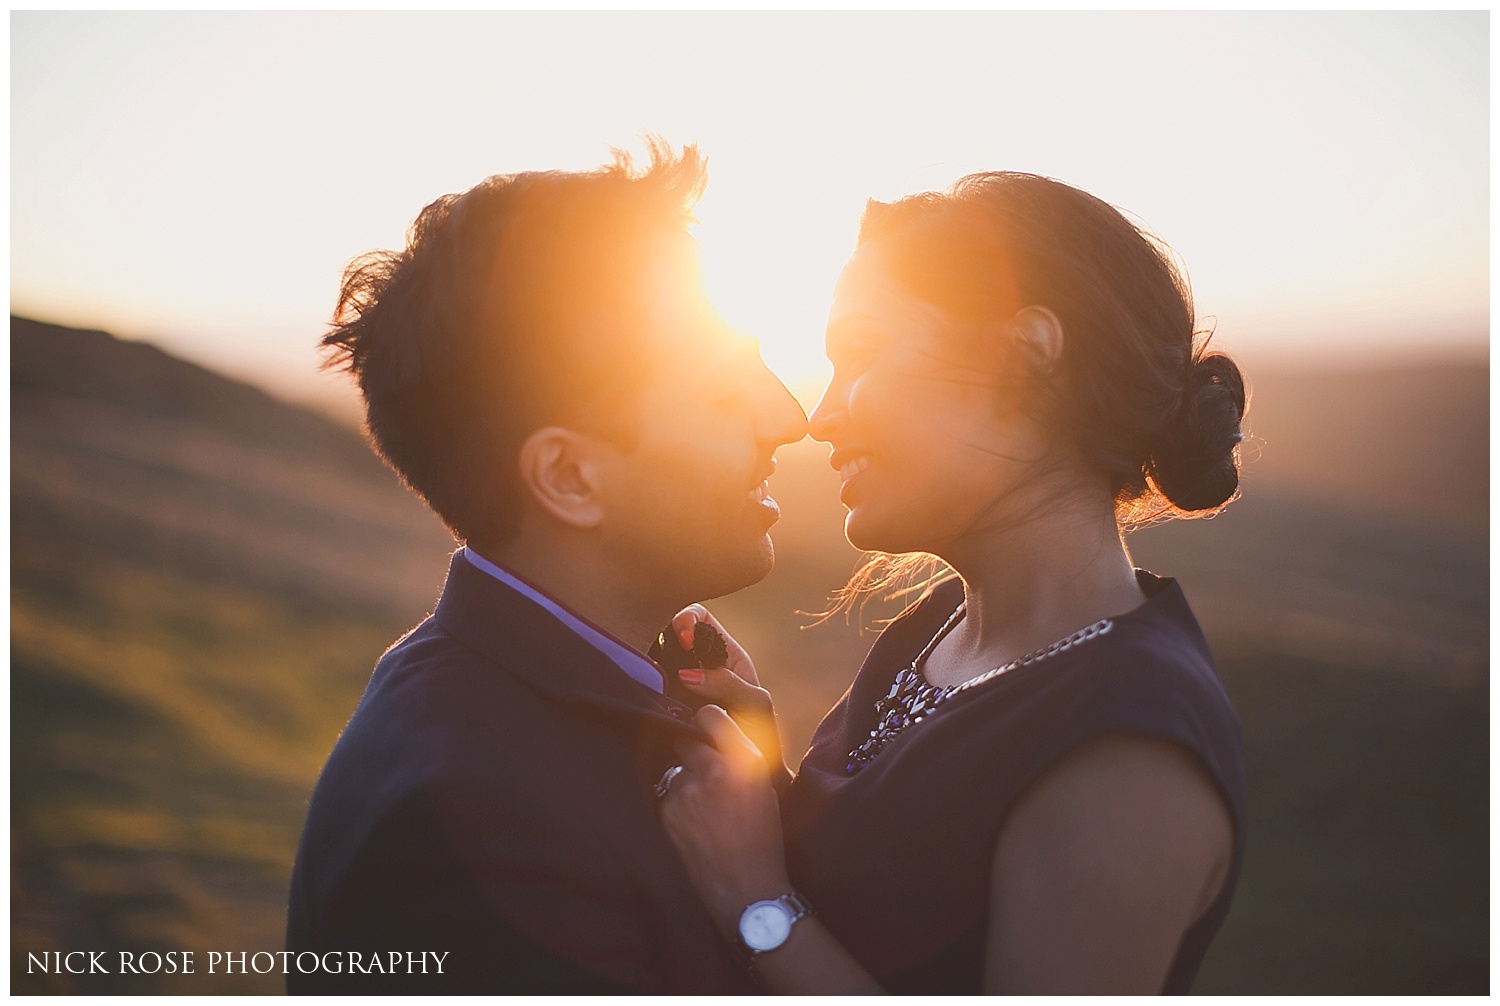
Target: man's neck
x,y
614,600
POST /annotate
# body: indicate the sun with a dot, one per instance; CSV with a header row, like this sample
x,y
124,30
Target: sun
x,y
772,280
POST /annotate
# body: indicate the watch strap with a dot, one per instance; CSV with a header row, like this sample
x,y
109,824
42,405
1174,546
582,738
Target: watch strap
x,y
797,904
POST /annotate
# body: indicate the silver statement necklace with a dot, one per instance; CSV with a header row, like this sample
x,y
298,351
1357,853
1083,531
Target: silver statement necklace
x,y
912,699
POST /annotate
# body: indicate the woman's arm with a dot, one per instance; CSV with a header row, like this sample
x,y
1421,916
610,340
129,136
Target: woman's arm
x,y
723,816
1102,866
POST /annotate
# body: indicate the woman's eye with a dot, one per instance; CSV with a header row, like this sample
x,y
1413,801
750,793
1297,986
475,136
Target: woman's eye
x,y
854,356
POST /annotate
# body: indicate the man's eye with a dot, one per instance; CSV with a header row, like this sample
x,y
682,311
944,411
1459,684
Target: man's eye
x,y
729,398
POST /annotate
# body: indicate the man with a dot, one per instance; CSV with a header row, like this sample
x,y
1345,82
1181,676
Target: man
x,y
541,366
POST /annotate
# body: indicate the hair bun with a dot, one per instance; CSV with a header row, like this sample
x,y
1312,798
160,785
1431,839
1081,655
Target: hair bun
x,y
1195,465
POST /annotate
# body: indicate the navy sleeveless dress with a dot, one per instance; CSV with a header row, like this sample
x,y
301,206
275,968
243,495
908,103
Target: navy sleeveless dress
x,y
895,857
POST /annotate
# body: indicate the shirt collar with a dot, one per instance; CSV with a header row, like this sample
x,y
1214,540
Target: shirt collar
x,y
633,662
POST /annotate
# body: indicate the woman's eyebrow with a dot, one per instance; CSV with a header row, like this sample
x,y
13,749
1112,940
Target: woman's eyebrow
x,y
841,332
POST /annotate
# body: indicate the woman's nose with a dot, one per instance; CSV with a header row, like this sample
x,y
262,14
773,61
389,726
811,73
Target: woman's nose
x,y
827,414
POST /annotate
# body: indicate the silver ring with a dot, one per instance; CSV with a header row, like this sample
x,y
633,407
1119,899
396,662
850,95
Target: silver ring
x,y
665,782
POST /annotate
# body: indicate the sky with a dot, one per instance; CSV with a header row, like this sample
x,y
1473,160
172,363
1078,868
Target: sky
x,y
199,180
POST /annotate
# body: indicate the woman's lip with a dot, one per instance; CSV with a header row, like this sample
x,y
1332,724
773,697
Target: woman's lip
x,y
848,481
852,466
840,458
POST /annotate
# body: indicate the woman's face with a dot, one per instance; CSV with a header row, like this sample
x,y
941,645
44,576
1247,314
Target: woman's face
x,y
924,423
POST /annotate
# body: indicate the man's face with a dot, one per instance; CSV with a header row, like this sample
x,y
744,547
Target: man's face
x,y
687,504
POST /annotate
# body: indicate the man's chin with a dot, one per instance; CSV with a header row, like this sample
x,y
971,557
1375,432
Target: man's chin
x,y
744,568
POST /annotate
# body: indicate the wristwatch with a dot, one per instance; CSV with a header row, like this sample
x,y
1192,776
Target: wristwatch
x,y
765,925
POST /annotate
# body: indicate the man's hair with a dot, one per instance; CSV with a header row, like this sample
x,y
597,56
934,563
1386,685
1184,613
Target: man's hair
x,y
514,305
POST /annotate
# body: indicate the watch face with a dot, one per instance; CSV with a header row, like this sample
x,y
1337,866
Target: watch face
x,y
765,926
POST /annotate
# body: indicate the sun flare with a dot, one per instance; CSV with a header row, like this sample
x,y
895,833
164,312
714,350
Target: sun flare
x,y
773,281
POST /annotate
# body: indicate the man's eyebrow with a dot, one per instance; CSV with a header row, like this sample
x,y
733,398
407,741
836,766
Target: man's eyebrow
x,y
724,362
739,353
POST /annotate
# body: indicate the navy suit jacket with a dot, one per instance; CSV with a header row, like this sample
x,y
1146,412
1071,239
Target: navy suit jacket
x,y
491,798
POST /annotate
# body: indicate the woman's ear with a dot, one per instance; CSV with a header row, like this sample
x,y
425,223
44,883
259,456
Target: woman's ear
x,y
1040,335
561,470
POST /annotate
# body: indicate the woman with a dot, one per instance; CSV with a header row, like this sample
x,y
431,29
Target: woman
x,y
1035,782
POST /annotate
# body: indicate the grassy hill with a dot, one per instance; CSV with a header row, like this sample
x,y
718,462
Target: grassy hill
x,y
202,578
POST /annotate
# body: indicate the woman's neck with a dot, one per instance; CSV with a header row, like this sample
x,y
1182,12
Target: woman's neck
x,y
1031,583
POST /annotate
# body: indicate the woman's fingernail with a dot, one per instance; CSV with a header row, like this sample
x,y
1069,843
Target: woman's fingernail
x,y
689,676
686,638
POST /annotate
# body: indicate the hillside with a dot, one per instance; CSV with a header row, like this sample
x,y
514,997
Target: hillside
x,y
157,463
202,577
1410,441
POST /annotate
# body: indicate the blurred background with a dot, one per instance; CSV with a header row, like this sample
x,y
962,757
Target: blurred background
x,y
206,560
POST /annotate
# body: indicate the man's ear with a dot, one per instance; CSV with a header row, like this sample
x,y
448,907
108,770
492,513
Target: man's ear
x,y
1040,335
561,469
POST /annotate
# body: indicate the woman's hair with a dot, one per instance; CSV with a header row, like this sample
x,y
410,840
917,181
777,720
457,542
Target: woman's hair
x,y
1134,388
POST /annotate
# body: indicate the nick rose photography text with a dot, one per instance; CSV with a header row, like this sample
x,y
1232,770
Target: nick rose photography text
x,y
231,962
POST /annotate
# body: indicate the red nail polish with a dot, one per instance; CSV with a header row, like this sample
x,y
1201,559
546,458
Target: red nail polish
x,y
689,676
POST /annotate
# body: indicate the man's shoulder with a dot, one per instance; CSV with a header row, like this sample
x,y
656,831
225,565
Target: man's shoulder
x,y
428,643
442,733
439,715
429,683
449,755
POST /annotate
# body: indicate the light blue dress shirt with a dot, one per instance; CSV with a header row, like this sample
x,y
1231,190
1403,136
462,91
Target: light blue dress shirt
x,y
627,658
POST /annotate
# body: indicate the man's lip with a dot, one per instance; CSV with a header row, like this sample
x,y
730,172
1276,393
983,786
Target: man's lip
x,y
763,503
764,476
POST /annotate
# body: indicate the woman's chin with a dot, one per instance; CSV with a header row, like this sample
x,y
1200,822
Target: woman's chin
x,y
856,533
871,535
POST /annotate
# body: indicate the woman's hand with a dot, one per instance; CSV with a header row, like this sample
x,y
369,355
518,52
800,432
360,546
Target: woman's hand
x,y
735,688
723,816
724,819
739,662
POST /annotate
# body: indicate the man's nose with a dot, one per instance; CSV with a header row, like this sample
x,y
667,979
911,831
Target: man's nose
x,y
782,420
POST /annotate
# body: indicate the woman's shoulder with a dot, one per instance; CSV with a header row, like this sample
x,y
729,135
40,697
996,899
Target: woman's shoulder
x,y
1156,649
1155,676
1149,673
